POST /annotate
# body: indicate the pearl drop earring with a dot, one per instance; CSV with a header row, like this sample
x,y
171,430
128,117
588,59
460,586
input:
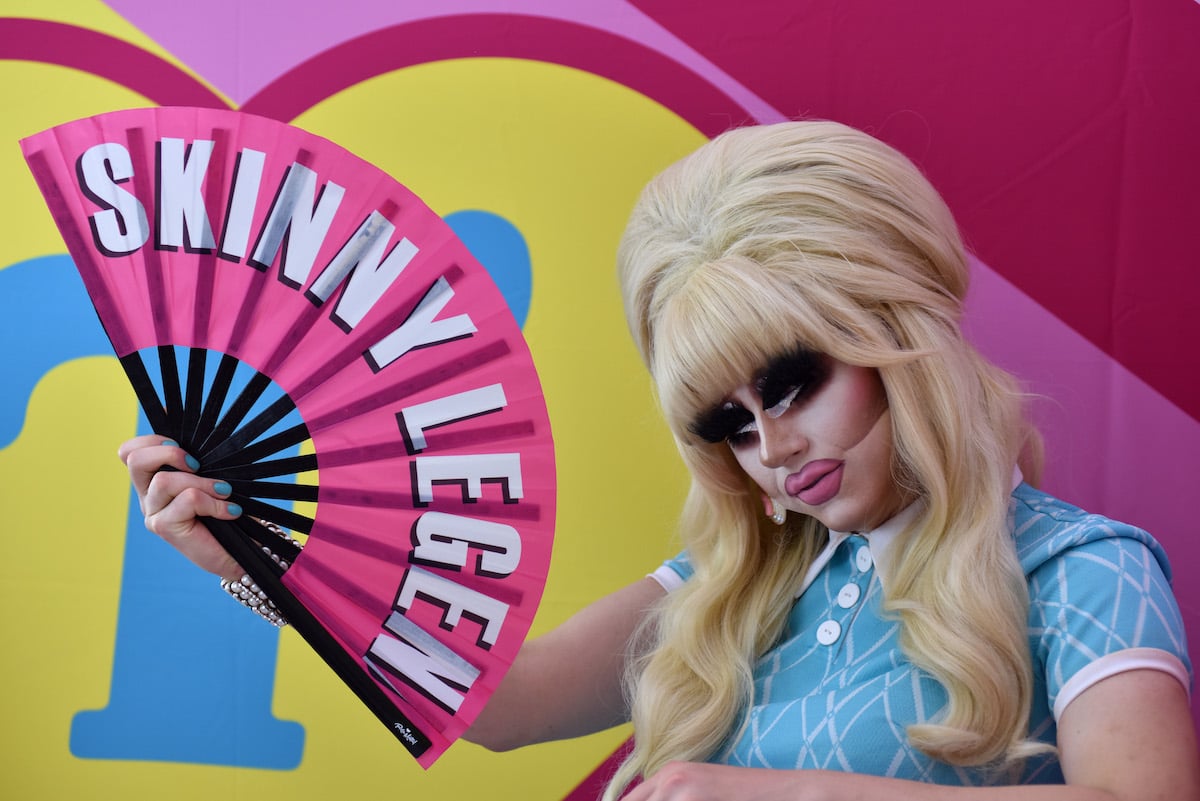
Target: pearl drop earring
x,y
774,511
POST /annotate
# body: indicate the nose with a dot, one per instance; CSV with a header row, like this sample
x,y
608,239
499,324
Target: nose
x,y
779,439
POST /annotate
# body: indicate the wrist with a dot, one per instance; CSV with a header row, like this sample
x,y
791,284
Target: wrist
x,y
250,595
242,587
231,571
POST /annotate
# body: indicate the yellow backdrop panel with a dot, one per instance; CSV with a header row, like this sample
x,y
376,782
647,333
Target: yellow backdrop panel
x,y
560,154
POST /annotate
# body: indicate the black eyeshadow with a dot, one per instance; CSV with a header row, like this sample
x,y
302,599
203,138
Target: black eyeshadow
x,y
721,423
797,373
800,370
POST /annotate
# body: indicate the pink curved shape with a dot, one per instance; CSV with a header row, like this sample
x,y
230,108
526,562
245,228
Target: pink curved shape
x,y
295,39
599,52
105,56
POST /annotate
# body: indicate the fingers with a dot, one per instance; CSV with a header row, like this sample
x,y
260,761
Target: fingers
x,y
146,456
188,494
136,449
174,502
173,505
172,499
129,446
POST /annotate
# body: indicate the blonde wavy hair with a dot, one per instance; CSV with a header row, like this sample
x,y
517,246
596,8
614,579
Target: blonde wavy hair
x,y
818,234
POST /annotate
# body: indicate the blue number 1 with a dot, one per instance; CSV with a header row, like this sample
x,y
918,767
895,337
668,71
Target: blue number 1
x,y
193,674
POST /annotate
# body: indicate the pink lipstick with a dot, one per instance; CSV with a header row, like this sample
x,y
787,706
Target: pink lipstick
x,y
817,482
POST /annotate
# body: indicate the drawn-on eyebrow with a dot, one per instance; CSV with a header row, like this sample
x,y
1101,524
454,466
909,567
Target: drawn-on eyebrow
x,y
721,422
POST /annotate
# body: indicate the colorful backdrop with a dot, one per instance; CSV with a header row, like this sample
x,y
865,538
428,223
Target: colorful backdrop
x,y
1062,134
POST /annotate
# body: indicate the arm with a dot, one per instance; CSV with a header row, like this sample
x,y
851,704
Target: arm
x,y
564,684
1128,738
568,682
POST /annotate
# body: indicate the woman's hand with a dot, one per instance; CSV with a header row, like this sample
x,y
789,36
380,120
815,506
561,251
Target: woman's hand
x,y
171,501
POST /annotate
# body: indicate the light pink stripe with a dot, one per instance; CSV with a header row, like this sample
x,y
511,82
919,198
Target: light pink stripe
x,y
1114,445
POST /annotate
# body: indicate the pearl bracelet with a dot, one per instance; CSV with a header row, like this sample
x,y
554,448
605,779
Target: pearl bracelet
x,y
250,594
252,597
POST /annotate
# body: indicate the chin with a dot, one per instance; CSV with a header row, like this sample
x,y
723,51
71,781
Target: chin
x,y
840,522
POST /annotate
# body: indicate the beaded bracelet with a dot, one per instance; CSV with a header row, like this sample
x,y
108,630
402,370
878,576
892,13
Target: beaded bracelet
x,y
252,597
250,594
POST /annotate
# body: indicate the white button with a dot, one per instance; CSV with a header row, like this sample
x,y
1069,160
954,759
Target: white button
x,y
863,559
828,632
848,596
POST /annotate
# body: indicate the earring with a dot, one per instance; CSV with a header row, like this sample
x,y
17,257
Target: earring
x,y
777,514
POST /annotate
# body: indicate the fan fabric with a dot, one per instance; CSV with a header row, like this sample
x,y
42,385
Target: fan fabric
x,y
315,335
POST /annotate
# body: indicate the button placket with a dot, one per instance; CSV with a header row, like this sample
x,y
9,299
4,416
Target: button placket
x,y
862,559
830,631
848,596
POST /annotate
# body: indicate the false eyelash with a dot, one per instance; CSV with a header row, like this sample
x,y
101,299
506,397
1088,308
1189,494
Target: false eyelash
x,y
795,374
721,423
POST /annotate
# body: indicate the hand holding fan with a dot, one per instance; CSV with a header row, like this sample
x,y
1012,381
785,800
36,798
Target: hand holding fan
x,y
310,331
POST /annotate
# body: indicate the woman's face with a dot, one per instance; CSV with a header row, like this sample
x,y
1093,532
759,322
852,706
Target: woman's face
x,y
815,434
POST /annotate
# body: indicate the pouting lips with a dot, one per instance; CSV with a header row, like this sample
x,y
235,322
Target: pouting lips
x,y
817,482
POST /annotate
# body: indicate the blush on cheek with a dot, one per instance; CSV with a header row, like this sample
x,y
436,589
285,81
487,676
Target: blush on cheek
x,y
861,404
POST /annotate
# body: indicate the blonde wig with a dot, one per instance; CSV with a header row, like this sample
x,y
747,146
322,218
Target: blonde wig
x,y
813,233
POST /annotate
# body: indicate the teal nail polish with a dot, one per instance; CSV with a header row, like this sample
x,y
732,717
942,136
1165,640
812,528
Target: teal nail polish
x,y
170,443
222,488
234,509
192,463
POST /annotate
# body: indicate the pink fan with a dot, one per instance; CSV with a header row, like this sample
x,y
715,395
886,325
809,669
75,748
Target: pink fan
x,y
310,331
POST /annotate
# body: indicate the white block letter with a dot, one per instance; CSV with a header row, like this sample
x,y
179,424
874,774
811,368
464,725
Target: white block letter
x,y
415,419
422,662
122,227
303,218
470,471
455,600
421,329
443,539
180,194
247,177
360,259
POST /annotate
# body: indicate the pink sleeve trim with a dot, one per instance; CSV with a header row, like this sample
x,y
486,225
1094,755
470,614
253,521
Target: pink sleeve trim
x,y
1120,662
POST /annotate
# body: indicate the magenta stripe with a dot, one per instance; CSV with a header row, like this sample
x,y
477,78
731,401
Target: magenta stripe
x,y
624,61
105,56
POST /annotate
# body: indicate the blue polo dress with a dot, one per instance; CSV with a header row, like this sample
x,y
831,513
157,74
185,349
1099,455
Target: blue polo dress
x,y
837,693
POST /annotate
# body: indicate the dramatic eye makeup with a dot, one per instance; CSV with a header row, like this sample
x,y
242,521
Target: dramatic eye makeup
x,y
723,423
786,379
793,376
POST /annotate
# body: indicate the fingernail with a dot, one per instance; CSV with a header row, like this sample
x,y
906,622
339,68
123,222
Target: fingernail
x,y
234,509
170,443
222,488
191,462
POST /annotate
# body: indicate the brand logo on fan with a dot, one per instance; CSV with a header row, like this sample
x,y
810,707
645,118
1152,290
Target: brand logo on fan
x,y
405,733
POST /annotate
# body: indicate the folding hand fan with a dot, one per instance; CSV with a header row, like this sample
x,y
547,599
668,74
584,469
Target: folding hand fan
x,y
310,331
